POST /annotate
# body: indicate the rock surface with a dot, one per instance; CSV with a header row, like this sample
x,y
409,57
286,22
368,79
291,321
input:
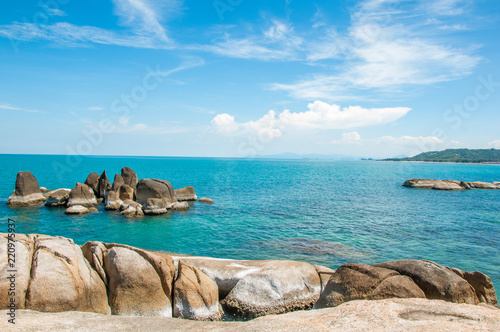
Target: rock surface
x,y
27,192
58,197
448,184
385,315
186,194
196,296
482,185
126,192
131,209
83,195
77,209
482,285
180,206
153,188
93,181
129,177
436,281
355,281
103,186
117,183
206,200
112,201
155,206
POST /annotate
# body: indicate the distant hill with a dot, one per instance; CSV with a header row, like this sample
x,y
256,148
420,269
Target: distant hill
x,y
456,156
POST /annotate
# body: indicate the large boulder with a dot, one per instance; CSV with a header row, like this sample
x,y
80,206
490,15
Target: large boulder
x,y
251,289
155,206
58,197
103,186
63,280
482,284
126,192
437,282
186,194
117,183
27,192
112,201
196,296
364,282
134,286
22,247
153,188
93,181
83,195
129,177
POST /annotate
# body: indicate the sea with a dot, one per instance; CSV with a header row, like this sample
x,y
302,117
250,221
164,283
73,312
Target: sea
x,y
325,212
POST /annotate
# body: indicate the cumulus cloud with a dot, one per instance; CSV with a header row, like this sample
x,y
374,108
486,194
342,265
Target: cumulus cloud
x,y
494,144
320,116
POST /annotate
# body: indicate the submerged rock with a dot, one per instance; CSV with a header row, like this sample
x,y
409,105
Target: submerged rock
x,y
57,197
196,296
83,195
186,194
206,200
27,192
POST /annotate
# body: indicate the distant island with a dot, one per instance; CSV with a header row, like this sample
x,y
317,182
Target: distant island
x,y
456,156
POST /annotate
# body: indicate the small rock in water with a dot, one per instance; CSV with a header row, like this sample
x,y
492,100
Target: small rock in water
x,y
77,209
206,200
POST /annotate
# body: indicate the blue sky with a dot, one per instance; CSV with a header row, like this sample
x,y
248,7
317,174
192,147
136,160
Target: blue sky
x,y
237,78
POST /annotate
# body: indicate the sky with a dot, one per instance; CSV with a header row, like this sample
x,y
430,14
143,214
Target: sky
x,y
241,78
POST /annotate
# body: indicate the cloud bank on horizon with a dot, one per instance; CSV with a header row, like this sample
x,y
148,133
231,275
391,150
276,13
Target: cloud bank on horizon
x,y
382,58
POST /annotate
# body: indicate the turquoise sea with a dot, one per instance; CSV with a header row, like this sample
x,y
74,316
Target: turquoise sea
x,y
322,212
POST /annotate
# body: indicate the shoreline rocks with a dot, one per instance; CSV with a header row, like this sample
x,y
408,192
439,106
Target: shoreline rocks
x,y
58,197
186,194
27,192
82,195
450,185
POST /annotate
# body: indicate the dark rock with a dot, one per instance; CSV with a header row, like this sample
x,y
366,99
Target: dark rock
x,y
27,192
485,291
126,192
57,197
153,188
130,177
103,186
117,183
81,194
93,181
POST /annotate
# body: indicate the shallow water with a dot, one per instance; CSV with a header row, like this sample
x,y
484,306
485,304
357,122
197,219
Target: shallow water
x,y
322,212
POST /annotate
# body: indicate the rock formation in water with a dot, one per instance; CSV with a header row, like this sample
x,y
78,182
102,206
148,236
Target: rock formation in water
x,y
449,184
27,192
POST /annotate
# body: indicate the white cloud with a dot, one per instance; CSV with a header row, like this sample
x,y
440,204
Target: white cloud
x,y
12,108
320,116
494,144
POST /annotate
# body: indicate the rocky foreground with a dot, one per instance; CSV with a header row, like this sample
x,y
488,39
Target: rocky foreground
x,y
451,185
53,274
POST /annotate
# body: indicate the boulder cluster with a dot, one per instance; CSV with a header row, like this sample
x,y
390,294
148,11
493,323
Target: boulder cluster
x,y
449,184
55,275
132,197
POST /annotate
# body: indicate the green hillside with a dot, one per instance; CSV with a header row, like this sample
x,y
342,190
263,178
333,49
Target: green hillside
x,y
457,156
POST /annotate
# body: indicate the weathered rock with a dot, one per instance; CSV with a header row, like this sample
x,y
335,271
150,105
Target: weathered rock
x,y
22,248
126,192
155,206
181,206
131,209
83,195
206,200
129,177
117,183
364,282
436,281
448,185
482,185
62,279
256,288
77,209
325,274
196,296
95,252
134,285
485,291
103,186
58,197
186,194
27,192
44,190
384,315
93,181
153,188
112,201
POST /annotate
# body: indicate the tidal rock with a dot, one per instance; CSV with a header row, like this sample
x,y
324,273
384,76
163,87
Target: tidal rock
x,y
437,282
134,285
126,192
482,185
364,282
435,184
155,206
485,291
112,201
83,195
117,183
27,192
255,288
77,209
448,185
153,188
180,206
186,194
131,209
93,181
58,197
62,279
196,296
103,186
22,248
206,200
129,177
